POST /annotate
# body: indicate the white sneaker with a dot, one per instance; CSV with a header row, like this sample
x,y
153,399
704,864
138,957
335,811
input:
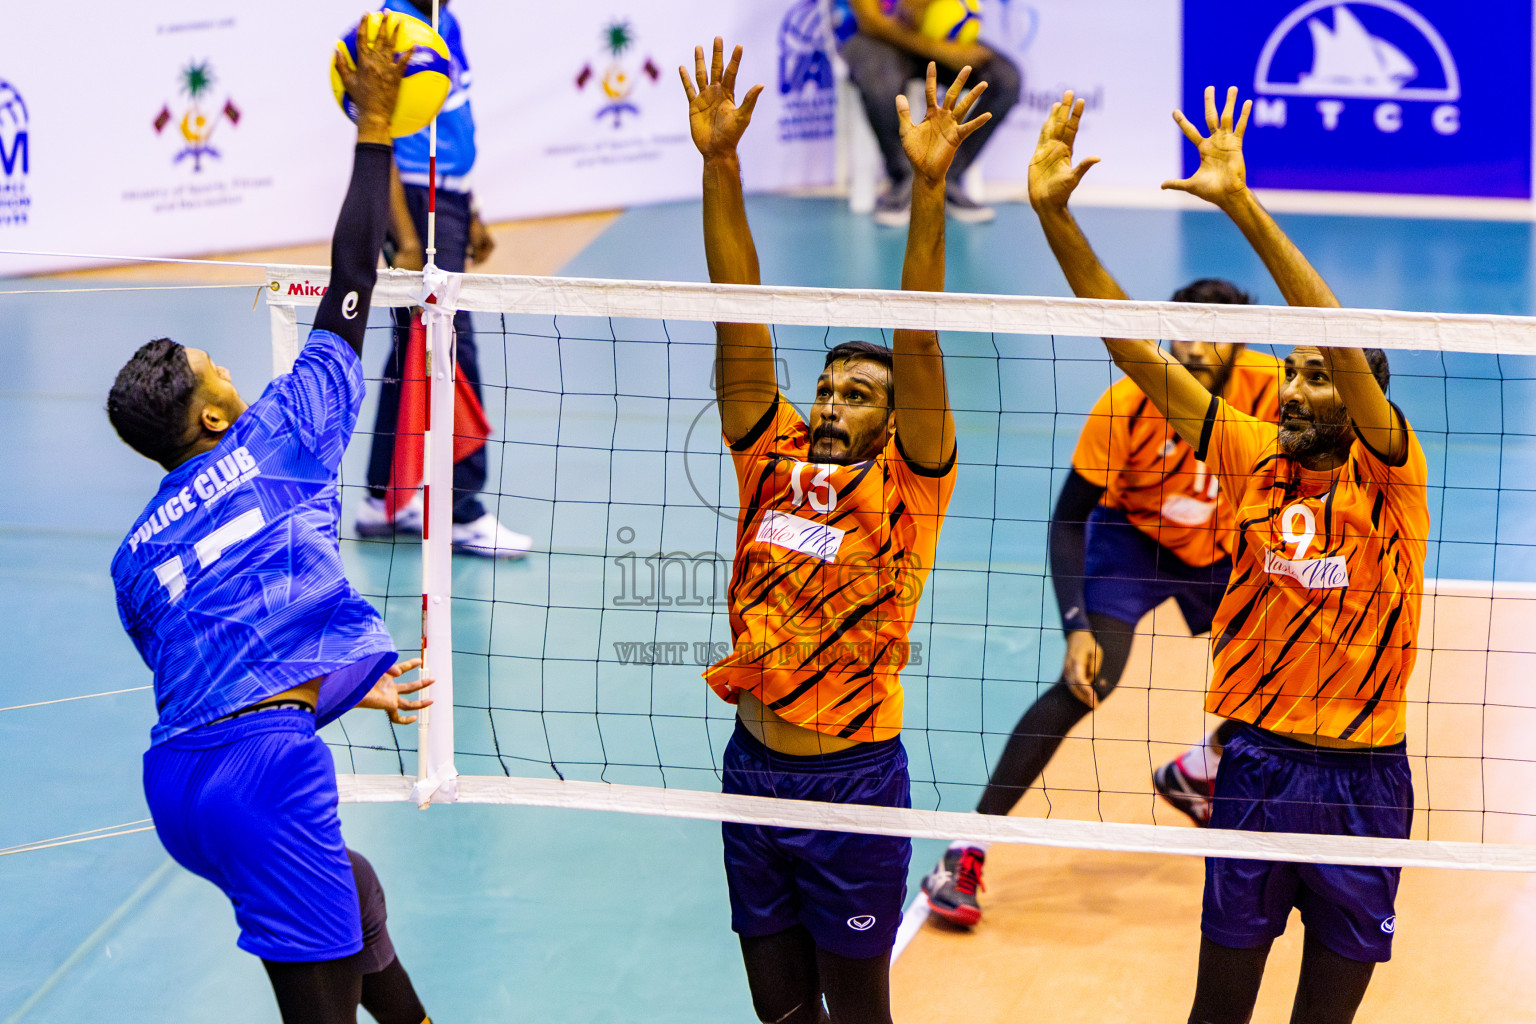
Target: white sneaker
x,y
372,522
487,538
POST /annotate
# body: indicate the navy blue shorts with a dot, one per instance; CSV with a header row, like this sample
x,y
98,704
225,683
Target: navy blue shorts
x,y
250,805
1127,574
847,889
1267,783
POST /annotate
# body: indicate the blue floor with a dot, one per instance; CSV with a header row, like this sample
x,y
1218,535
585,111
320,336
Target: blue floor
x,y
512,914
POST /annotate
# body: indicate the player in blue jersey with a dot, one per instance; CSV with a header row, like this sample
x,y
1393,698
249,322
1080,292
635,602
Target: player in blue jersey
x,y
231,586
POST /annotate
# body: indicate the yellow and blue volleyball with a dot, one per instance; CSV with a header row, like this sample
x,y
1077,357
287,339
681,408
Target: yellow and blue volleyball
x,y
958,21
427,76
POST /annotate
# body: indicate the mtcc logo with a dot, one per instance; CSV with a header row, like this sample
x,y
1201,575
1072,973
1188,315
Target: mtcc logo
x,y
15,156
1381,52
862,923
1389,925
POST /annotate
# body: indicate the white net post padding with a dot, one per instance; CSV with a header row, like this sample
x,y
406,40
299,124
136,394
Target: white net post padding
x,y
1011,315
436,775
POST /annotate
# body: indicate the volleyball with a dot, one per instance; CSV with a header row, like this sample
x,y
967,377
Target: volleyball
x,y
427,76
958,21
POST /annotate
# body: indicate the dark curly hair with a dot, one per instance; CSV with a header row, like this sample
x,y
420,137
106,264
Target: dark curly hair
x,y
149,400
1213,289
869,351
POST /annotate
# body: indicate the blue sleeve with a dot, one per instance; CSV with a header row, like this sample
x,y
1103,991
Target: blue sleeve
x,y
322,395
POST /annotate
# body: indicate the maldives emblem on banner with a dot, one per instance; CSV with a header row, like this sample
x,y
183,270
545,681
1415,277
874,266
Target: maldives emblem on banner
x,y
200,115
617,83
1428,97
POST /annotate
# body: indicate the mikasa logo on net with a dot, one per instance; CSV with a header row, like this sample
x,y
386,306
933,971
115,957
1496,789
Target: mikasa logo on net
x,y
1360,51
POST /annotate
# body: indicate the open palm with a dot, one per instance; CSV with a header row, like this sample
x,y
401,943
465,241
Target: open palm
x,y
1222,172
931,144
1052,178
714,117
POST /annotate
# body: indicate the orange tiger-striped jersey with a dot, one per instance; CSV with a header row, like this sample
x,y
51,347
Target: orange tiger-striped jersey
x,y
1319,627
1151,474
830,564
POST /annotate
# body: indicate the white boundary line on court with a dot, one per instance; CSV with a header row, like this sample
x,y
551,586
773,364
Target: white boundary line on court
x,y
912,921
291,286
955,825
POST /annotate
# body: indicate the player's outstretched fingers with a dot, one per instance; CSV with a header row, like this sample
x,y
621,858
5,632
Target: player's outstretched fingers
x,y
688,87
1187,127
932,85
969,100
729,79
699,74
717,60
749,102
903,112
956,88
1242,122
974,123
1212,118
1228,107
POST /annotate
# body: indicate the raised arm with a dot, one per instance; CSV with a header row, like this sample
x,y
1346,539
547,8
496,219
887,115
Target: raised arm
x,y
923,420
1222,180
1052,180
364,217
745,384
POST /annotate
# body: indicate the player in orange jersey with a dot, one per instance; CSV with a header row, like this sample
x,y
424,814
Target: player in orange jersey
x,y
1138,521
1317,633
840,517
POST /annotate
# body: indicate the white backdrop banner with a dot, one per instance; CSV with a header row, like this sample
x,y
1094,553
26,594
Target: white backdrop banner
x,y
208,126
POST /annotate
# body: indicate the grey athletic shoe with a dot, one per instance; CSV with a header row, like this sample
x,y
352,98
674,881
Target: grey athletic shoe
x,y
965,209
1190,795
894,207
951,886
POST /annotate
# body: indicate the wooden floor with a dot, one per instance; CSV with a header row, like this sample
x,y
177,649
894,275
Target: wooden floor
x,y
1071,936
522,247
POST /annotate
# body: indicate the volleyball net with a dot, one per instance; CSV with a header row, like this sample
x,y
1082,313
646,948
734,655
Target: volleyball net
x,y
574,678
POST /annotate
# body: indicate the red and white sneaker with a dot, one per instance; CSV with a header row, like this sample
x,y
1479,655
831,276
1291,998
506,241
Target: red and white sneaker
x,y
1185,792
951,886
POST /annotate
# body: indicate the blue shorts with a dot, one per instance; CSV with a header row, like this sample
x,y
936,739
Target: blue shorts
x,y
1127,574
847,889
1267,783
250,805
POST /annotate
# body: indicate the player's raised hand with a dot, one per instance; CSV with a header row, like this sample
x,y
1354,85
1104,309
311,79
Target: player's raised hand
x,y
388,694
931,144
374,84
714,117
1052,178
1222,174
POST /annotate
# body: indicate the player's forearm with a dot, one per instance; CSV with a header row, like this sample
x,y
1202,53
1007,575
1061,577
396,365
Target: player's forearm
x,y
728,246
1079,263
1068,548
356,243
1298,280
923,268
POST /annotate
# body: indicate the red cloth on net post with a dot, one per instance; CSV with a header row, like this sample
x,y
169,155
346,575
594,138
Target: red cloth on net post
x,y
471,428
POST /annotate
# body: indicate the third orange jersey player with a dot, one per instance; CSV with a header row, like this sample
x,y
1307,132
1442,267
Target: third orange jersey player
x,y
1317,633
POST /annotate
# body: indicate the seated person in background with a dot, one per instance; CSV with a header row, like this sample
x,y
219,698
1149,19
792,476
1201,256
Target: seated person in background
x,y
884,49
460,238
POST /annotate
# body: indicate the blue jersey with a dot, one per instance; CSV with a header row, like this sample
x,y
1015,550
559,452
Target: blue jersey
x,y
455,122
845,25
230,583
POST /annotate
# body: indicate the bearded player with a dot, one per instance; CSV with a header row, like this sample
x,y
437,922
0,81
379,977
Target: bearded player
x,y
1138,521
1317,634
839,520
231,586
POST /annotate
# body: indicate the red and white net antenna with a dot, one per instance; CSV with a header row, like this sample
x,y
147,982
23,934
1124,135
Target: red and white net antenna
x,y
436,776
